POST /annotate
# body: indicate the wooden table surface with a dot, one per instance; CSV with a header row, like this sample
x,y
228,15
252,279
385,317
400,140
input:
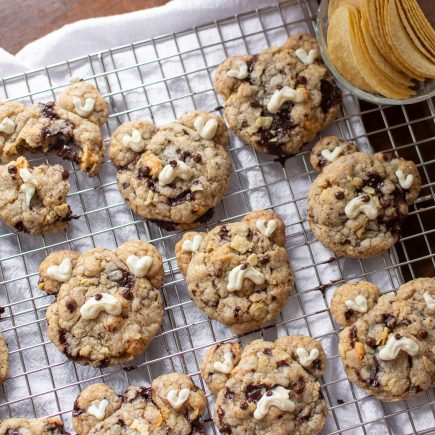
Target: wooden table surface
x,y
23,21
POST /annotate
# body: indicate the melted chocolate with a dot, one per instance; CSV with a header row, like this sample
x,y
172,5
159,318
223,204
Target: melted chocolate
x,y
48,111
21,227
331,95
184,196
127,279
254,392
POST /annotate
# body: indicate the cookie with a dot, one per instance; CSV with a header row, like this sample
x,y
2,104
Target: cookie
x,y
172,174
358,203
173,404
279,99
388,343
84,99
239,272
4,359
108,307
328,150
32,426
271,388
33,200
49,127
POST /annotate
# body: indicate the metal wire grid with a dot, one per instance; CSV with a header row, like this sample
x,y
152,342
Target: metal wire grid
x,y
42,382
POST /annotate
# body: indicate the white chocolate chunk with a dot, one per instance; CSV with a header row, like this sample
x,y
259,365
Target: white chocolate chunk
x,y
29,185
7,126
280,96
278,397
206,130
404,181
177,398
361,205
139,265
359,304
430,301
61,272
98,411
263,122
394,346
226,366
134,141
149,198
192,245
266,230
333,155
239,70
100,302
142,428
83,109
239,273
169,173
307,59
306,359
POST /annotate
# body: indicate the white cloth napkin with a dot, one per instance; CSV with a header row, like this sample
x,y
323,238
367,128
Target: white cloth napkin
x,y
94,35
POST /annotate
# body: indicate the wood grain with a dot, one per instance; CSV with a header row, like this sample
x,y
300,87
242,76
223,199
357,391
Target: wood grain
x,y
23,21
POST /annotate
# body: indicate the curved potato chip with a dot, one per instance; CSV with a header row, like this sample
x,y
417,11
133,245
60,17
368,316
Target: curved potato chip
x,y
412,34
378,58
340,50
403,46
374,76
335,4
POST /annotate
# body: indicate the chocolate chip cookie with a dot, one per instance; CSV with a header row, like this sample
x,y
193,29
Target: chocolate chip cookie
x,y
388,343
280,98
173,404
84,99
328,150
239,273
358,203
108,307
33,200
269,387
32,426
4,359
49,127
173,174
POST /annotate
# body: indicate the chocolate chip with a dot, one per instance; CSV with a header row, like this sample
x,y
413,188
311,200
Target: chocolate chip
x,y
244,405
397,336
173,163
321,163
229,394
269,393
404,322
2,310
65,174
348,314
220,412
254,104
301,420
143,172
281,363
300,386
301,80
226,429
237,311
184,196
353,336
197,158
422,334
267,351
371,342
12,169
339,195
254,392
69,151
218,273
71,305
389,320
365,198
48,111
388,156
127,279
21,227
264,259
244,266
121,422
127,294
98,296
331,95
374,383
224,233
125,184
185,155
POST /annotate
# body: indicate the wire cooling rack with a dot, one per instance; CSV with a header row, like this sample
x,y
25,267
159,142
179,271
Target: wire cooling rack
x,y
159,79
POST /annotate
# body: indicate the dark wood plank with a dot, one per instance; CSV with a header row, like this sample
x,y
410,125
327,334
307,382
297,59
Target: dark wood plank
x,y
23,21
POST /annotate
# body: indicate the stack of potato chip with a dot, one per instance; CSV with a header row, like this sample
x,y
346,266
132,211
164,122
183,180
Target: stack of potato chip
x,y
381,46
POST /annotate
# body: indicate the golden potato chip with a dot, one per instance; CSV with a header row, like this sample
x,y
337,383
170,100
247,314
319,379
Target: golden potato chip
x,y
413,34
420,23
403,46
377,57
381,6
335,4
340,50
373,75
